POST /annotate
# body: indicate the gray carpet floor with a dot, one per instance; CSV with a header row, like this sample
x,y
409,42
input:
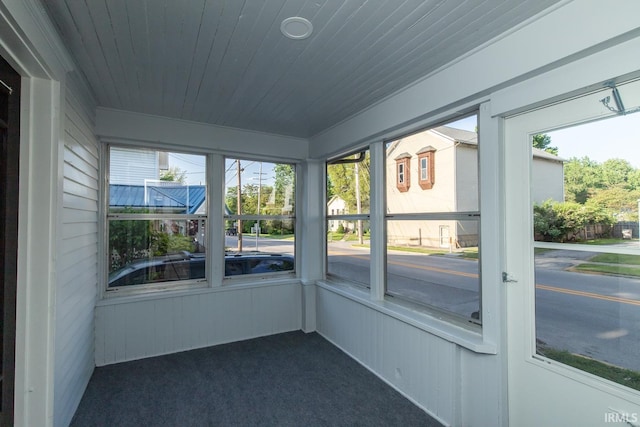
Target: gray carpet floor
x,y
291,379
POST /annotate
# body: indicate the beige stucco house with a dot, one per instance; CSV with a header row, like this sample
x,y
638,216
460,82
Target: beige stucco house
x,y
436,171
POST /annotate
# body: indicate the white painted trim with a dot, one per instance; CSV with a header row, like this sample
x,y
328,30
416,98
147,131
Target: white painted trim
x,y
493,298
32,43
377,224
37,230
118,126
310,220
618,63
215,218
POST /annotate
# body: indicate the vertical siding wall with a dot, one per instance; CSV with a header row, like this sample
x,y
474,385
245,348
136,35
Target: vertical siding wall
x,y
455,385
77,259
162,324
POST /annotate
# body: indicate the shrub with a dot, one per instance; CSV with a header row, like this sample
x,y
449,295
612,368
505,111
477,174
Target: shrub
x,y
558,222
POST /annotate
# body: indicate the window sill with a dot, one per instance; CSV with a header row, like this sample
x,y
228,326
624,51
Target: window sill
x,y
137,295
468,337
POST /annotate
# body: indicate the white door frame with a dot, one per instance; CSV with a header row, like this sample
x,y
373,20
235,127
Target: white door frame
x,y
542,391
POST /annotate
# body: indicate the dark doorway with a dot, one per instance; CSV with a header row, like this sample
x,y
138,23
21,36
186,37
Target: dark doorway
x,y
9,161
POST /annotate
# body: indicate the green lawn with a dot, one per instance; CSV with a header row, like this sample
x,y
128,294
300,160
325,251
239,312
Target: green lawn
x,y
349,237
622,376
608,269
604,241
537,251
617,259
415,249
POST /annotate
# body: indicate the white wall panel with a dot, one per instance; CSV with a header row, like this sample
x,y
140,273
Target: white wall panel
x,y
77,264
134,328
456,386
115,125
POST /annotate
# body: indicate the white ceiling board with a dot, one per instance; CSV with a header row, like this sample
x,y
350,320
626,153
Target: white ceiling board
x,y
225,62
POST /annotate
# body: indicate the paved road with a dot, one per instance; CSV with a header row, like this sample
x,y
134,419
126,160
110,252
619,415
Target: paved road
x,y
594,315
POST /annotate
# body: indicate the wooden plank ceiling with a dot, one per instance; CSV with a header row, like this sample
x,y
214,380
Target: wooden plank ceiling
x,y
226,62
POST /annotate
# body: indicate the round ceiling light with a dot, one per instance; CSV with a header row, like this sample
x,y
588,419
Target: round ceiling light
x,y
296,28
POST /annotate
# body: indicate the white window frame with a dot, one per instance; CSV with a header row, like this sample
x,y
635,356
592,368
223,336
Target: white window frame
x,y
107,217
262,217
480,339
428,216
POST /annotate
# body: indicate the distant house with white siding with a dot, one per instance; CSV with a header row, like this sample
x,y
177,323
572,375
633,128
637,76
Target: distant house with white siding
x,y
436,171
133,166
337,206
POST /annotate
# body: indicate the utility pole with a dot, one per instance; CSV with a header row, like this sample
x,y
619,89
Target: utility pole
x,y
239,209
257,226
358,205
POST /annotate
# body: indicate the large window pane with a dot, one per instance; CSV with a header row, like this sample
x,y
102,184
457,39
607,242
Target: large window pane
x,y
423,267
263,188
348,207
586,191
152,251
347,258
588,310
259,217
156,217
348,185
433,218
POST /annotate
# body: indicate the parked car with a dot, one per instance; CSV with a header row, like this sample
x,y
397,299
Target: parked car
x,y
191,266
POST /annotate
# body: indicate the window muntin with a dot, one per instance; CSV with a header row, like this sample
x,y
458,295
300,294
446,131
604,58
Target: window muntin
x,y
156,217
259,217
586,254
443,220
348,231
424,168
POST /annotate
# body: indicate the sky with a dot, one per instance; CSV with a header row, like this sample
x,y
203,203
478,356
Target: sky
x,y
192,165
616,137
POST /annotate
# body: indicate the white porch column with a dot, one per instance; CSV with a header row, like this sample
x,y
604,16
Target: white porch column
x,y
311,229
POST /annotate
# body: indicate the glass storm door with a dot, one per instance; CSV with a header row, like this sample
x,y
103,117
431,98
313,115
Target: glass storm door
x,y
572,201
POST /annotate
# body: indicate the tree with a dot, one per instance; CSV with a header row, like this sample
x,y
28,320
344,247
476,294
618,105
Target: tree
x,y
616,172
582,177
542,141
283,186
174,174
342,182
617,200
